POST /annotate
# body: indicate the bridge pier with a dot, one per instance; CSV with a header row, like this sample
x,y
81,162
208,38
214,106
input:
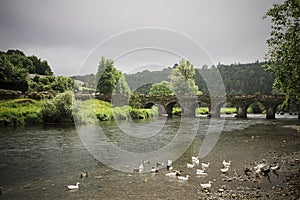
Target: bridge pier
x,y
270,113
241,111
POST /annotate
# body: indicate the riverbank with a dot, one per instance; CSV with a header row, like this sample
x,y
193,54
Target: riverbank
x,y
26,111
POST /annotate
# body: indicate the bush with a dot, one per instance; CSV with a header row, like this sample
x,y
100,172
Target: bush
x,y
10,94
59,109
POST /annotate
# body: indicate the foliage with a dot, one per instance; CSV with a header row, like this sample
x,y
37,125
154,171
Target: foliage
x,y
249,78
15,67
58,109
40,66
162,88
107,76
92,109
283,54
12,77
89,80
51,84
135,101
122,87
9,94
141,81
20,111
182,79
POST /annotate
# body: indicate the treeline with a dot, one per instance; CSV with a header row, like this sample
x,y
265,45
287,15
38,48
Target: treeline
x,y
238,79
29,74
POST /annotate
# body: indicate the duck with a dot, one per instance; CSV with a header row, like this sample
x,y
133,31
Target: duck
x,y
205,165
183,178
206,185
145,161
226,164
195,162
84,175
72,187
200,170
139,169
275,167
169,165
201,173
174,173
154,169
225,170
190,165
195,158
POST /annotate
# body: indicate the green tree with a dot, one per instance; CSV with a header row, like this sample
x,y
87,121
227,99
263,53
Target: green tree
x,y
12,77
59,109
62,84
182,79
40,67
162,88
107,76
135,100
283,54
122,87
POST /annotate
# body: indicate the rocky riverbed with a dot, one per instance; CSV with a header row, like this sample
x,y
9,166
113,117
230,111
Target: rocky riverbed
x,y
252,187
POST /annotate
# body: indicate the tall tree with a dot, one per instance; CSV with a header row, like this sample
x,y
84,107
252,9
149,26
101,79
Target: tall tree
x,y
182,79
283,54
107,76
162,88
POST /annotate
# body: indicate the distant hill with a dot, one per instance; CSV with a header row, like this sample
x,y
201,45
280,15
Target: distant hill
x,y
249,78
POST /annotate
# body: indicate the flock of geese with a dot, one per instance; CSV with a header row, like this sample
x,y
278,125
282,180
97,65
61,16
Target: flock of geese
x,y
262,168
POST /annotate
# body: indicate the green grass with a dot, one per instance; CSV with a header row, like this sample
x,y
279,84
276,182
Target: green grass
x,y
20,111
28,111
93,109
205,111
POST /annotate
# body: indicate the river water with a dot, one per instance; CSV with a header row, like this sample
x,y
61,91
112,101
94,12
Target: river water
x,y
39,162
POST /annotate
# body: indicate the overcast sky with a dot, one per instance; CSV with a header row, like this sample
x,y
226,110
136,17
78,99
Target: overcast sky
x,y
72,35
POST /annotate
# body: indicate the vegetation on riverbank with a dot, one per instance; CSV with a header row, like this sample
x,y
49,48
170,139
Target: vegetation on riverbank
x,y
20,111
61,110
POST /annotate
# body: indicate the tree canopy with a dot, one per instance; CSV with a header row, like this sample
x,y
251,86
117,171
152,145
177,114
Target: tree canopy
x,y
283,56
110,80
15,68
162,88
182,79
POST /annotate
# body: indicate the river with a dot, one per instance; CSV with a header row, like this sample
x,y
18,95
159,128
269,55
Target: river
x,y
39,162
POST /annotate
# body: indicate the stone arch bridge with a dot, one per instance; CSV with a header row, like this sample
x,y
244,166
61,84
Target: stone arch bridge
x,y
214,103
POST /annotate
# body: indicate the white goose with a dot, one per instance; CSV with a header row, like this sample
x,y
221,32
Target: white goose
x,y
195,162
225,170
195,158
183,178
174,173
205,165
201,173
206,185
226,164
72,187
139,169
190,165
275,167
200,170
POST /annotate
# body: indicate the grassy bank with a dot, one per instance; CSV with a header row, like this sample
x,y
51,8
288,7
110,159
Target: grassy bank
x,y
20,111
89,110
28,111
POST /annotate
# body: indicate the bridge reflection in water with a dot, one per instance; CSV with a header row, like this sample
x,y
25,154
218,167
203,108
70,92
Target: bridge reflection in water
x,y
214,103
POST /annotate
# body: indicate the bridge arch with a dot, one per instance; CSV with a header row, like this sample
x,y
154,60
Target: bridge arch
x,y
169,107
